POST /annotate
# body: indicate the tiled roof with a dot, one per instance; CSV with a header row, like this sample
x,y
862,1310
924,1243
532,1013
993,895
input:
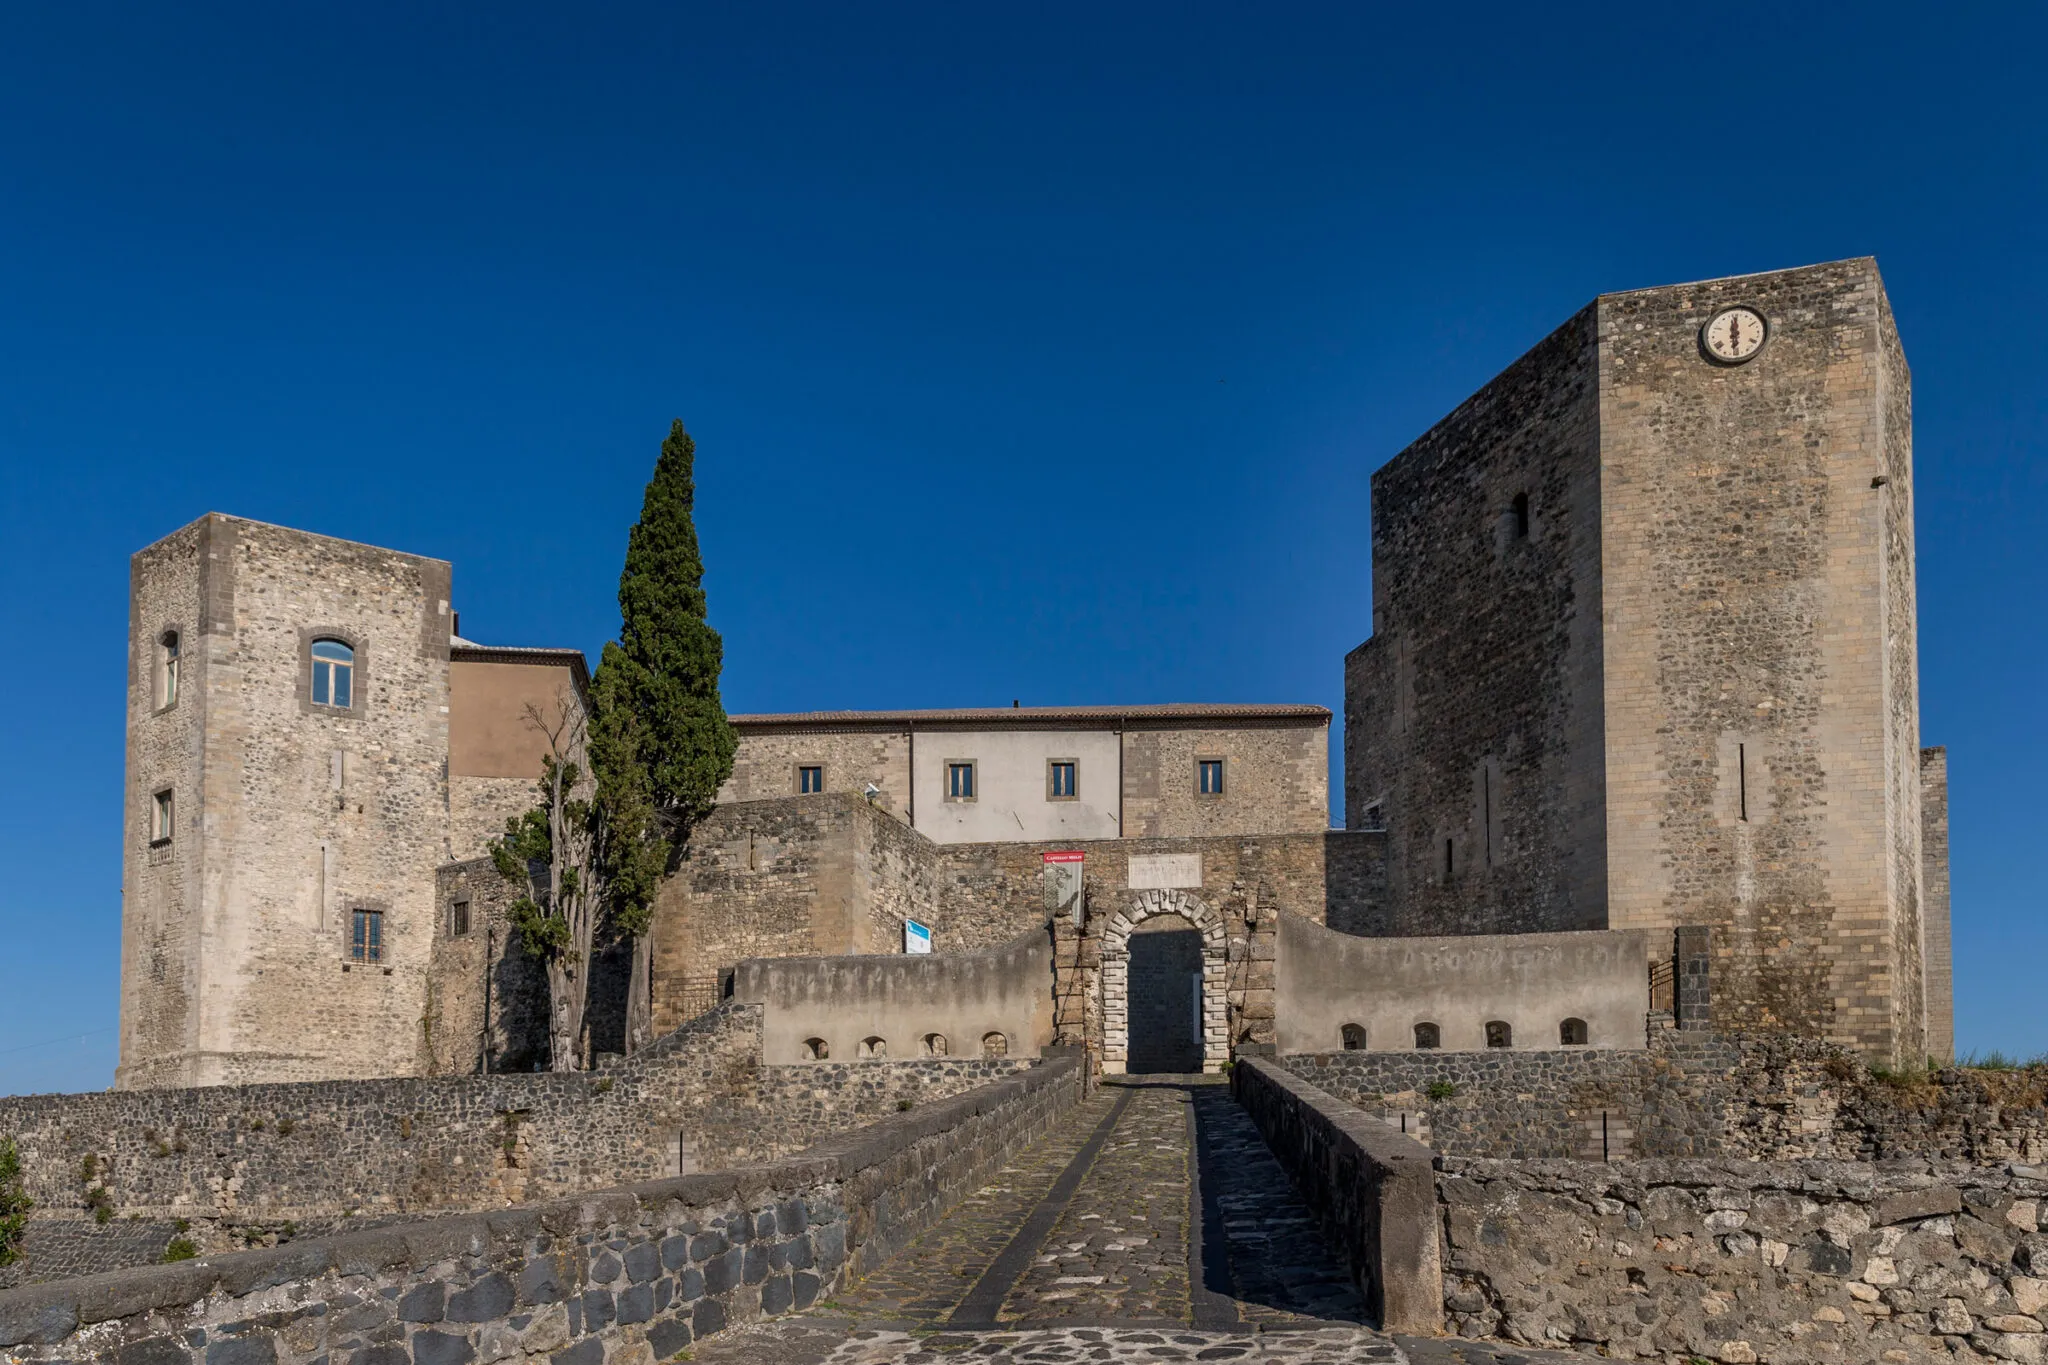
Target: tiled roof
x,y
1036,716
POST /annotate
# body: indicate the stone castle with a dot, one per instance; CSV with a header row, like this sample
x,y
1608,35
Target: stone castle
x,y
1634,744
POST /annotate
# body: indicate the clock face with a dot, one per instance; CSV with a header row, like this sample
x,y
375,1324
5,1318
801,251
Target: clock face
x,y
1734,335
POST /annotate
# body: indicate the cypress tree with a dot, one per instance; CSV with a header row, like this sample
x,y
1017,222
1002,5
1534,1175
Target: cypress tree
x,y
660,744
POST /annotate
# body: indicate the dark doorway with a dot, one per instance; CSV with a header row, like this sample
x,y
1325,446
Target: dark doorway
x,y
1166,997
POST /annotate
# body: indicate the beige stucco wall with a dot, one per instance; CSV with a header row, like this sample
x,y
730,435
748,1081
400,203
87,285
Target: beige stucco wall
x,y
489,732
1010,770
1389,985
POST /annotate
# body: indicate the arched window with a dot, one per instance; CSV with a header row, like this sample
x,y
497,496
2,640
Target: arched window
x,y
334,667
817,1050
1354,1037
167,668
874,1048
1521,516
1428,1035
1499,1034
1572,1032
935,1045
994,1045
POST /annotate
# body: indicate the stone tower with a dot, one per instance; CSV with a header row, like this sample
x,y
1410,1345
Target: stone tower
x,y
272,809
1643,655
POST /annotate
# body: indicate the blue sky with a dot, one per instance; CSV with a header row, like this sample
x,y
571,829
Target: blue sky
x,y
1033,352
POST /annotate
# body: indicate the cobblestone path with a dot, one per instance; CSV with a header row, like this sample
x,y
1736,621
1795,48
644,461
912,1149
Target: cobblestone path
x,y
1153,1225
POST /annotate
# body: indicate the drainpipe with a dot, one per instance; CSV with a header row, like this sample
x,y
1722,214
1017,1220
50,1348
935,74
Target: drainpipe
x,y
910,729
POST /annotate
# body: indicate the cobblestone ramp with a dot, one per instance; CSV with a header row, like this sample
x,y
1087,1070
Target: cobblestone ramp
x,y
1153,1225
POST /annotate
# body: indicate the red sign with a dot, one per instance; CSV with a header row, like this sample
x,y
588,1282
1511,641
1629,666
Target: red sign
x,y
1065,857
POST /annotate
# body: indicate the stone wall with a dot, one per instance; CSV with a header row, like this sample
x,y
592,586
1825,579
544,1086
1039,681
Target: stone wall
x,y
812,876
487,999
1941,981
1761,1097
764,767
1381,990
1554,1102
290,815
1373,1188
799,876
698,1100
1737,1261
996,1003
1276,780
631,1276
1473,715
1762,750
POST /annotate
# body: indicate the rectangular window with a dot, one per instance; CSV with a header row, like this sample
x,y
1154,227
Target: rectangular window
x,y
810,777
458,919
1209,776
366,936
162,823
1060,783
960,780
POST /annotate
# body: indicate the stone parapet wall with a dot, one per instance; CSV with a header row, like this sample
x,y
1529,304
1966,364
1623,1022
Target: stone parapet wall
x,y
630,1276
699,1100
1551,1102
1373,1188
1758,1096
1739,1261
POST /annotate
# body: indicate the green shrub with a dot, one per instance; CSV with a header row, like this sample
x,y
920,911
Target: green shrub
x,y
14,1203
1441,1090
180,1249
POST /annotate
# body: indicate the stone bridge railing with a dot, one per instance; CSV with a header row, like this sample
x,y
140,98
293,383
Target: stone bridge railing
x,y
1374,1189
631,1275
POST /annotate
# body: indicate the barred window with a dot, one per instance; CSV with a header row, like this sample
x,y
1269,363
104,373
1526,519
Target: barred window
x,y
366,936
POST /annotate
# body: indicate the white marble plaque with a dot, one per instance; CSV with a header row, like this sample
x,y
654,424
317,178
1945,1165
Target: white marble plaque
x,y
1165,871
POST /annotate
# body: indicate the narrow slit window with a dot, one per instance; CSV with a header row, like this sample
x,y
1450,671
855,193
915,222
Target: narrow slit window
x,y
334,666
1060,775
960,781
1521,516
1209,777
162,821
810,777
1742,782
366,936
1449,867
1486,809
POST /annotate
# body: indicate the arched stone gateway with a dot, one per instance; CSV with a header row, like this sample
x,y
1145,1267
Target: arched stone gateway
x,y
1116,976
